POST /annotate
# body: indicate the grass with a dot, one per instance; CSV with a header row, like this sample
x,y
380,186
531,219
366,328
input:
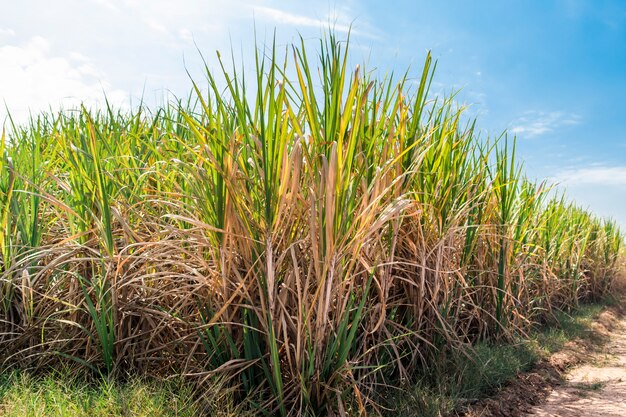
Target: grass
x,y
591,386
22,395
552,338
306,233
459,379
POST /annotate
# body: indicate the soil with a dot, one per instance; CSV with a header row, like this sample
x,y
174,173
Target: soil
x,y
586,378
597,388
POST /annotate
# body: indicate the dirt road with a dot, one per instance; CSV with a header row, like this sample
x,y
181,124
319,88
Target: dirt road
x,y
597,388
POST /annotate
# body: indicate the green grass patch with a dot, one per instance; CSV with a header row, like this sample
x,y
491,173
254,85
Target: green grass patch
x,y
566,326
464,378
57,395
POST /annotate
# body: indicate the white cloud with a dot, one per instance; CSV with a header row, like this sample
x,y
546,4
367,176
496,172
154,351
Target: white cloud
x,y
599,188
338,20
6,33
534,123
283,17
133,48
186,35
157,26
109,4
599,175
32,79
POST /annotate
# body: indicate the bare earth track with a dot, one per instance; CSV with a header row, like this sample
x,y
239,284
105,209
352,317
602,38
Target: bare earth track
x,y
597,388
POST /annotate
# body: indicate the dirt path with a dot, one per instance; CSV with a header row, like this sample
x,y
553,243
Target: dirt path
x,y
597,388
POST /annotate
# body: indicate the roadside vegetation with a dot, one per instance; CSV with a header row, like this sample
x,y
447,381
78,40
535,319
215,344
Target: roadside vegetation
x,y
298,237
460,379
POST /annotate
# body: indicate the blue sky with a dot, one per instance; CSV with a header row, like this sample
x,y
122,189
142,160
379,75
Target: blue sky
x,y
551,72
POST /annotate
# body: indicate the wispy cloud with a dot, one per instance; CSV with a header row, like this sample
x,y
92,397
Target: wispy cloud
x,y
157,26
535,123
109,4
186,35
596,175
32,78
149,54
601,188
6,32
336,21
286,18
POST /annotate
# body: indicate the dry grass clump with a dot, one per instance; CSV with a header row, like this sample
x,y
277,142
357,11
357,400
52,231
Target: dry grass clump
x,y
306,236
